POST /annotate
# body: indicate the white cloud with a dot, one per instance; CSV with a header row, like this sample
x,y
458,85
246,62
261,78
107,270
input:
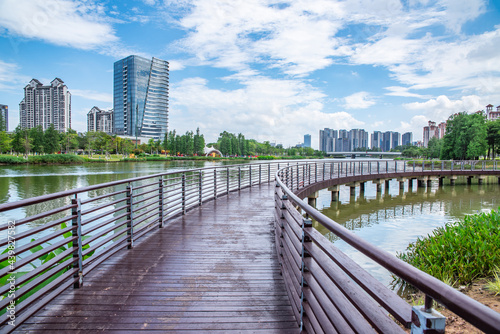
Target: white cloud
x,y
415,125
404,92
264,109
360,100
10,79
440,108
92,95
78,24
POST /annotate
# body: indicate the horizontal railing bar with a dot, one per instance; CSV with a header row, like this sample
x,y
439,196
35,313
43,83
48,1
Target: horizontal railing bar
x,y
38,216
96,246
92,228
30,232
102,215
137,223
104,205
93,199
154,184
138,213
90,263
155,196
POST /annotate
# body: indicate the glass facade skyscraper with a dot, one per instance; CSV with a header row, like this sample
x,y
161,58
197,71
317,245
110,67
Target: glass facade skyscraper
x,y
140,101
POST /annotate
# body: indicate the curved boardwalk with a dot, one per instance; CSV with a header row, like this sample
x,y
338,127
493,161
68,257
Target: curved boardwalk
x,y
213,270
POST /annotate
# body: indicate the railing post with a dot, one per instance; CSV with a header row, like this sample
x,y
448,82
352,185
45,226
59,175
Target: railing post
x,y
269,172
324,171
452,163
200,189
215,183
482,168
227,183
442,165
387,167
298,176
183,196
315,172
130,216
239,178
291,177
432,165
404,166
77,244
413,165
303,270
160,202
260,174
378,167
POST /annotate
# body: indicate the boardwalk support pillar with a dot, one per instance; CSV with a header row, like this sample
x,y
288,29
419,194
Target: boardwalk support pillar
x,y
424,319
453,178
335,193
311,199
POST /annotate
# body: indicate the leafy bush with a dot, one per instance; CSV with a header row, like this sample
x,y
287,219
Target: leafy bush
x,y
11,160
458,252
56,159
266,157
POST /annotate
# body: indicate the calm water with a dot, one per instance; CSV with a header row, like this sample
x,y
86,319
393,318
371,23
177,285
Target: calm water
x,y
394,219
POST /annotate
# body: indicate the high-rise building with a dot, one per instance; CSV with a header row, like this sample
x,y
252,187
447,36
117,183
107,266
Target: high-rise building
x,y
4,117
407,139
327,139
140,101
307,140
376,140
386,141
396,139
433,131
100,120
45,105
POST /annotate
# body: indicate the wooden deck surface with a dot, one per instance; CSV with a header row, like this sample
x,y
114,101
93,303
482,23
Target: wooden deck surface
x,y
212,270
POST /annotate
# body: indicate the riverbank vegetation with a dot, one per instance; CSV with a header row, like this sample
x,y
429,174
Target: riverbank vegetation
x,y
459,252
468,137
38,146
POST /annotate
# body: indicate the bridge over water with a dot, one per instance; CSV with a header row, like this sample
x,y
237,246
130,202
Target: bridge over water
x,y
220,249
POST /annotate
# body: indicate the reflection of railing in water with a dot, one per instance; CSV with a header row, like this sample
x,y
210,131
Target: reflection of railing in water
x,y
100,221
331,293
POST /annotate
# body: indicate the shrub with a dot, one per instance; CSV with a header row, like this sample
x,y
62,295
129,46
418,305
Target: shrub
x,y
11,160
458,252
56,159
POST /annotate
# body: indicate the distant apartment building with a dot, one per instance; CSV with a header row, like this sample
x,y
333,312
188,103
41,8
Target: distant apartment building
x,y
407,139
386,141
140,97
307,140
376,140
327,140
100,120
45,105
433,131
358,138
396,139
4,117
492,115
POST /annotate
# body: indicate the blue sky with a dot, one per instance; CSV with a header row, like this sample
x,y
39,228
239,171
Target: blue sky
x,y
272,70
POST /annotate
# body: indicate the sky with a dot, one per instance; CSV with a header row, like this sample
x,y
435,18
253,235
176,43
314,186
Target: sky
x,y
272,70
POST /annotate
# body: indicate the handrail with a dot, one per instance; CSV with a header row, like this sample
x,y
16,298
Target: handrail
x,y
469,309
78,229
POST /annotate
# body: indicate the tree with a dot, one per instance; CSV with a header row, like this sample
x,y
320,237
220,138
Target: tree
x,y
51,140
493,138
5,142
199,143
69,140
465,136
434,148
37,135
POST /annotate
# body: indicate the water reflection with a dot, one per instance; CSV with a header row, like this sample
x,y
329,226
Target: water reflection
x,y
394,218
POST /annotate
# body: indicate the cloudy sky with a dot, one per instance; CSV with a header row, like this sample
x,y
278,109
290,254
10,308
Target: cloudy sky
x,y
272,70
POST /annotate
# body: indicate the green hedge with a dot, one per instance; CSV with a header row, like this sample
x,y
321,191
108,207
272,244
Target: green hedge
x,y
12,160
56,159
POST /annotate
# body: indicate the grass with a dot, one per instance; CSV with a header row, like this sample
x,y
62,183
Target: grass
x,y
11,160
494,286
457,253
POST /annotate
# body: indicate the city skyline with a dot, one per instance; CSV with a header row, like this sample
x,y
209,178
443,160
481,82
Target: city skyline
x,y
272,71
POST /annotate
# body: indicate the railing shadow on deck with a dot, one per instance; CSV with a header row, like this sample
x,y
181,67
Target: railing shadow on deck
x,y
329,292
52,242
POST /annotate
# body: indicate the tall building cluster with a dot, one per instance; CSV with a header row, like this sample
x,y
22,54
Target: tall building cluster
x,y
351,140
433,131
46,105
140,102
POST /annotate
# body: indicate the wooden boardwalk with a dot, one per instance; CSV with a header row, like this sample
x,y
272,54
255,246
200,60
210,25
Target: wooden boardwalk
x,y
213,270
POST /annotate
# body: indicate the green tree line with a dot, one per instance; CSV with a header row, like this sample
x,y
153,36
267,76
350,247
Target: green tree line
x,y
468,137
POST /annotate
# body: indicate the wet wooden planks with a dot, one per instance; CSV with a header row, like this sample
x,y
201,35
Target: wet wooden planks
x,y
212,270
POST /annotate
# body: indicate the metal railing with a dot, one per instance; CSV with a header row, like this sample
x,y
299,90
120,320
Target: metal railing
x,y
52,242
329,292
